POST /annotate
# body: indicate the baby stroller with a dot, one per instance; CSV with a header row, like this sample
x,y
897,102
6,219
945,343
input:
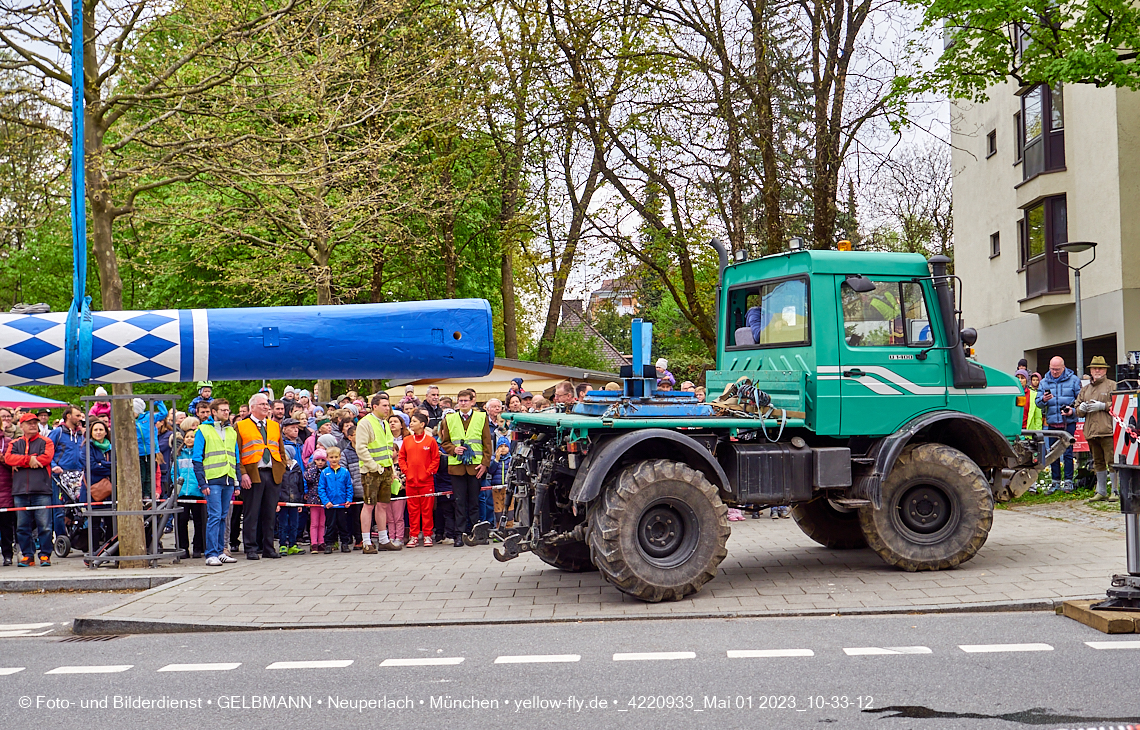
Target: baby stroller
x,y
74,500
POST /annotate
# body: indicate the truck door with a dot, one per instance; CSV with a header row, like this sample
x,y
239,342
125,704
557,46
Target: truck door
x,y
883,379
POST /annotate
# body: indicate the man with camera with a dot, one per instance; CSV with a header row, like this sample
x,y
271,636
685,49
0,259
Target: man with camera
x,y
465,436
1055,398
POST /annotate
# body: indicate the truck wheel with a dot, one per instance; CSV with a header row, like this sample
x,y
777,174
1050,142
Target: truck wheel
x,y
659,531
833,528
572,557
937,510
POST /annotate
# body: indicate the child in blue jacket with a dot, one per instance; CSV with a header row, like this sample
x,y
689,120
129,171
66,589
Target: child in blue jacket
x,y
335,489
194,506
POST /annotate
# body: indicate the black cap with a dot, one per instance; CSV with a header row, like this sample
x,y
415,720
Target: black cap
x,y
290,422
524,395
43,410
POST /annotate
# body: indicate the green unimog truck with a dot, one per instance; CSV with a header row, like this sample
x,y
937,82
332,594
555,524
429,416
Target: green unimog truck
x,y
850,397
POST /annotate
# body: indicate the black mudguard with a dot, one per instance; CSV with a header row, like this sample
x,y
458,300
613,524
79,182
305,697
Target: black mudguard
x,y
607,455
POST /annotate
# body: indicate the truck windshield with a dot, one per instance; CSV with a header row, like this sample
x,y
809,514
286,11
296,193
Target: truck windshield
x,y
769,313
893,314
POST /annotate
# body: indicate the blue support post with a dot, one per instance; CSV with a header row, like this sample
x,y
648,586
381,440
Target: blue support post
x,y
641,342
77,347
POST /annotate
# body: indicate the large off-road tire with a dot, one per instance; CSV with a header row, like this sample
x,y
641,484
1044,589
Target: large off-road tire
x,y
937,510
572,557
833,528
658,531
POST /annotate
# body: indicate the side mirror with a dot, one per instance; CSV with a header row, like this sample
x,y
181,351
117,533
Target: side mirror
x,y
859,283
969,336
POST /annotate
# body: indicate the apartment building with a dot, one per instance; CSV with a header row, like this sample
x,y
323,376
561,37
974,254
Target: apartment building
x,y
1034,168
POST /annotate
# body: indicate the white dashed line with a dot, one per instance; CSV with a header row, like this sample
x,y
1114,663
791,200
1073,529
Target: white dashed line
x,y
218,667
996,648
649,656
538,659
21,632
98,669
24,627
1114,644
885,650
424,662
5,671
323,664
766,653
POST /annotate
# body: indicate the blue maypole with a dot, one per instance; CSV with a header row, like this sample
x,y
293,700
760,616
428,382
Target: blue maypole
x,y
77,347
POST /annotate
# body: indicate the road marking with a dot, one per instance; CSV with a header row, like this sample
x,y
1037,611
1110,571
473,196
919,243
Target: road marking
x,y
21,632
424,662
765,653
654,656
884,650
538,659
995,648
322,664
96,669
24,627
5,671
218,667
1114,644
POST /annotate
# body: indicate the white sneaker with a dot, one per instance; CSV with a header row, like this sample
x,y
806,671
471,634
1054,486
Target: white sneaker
x,y
226,558
213,561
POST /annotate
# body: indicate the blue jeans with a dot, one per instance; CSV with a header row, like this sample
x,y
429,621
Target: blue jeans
x,y
289,523
57,498
217,506
39,520
1055,467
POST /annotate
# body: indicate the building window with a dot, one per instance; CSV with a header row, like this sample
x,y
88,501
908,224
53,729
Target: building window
x,y
991,143
1018,138
995,244
1042,130
1043,227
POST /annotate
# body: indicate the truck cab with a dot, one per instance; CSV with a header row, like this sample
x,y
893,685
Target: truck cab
x,y
864,362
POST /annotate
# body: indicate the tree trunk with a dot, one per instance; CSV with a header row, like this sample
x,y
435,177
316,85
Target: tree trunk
x,y
510,318
507,211
558,284
447,235
324,297
765,121
128,483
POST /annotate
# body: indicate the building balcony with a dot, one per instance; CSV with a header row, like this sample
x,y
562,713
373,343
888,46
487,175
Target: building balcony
x,y
1046,302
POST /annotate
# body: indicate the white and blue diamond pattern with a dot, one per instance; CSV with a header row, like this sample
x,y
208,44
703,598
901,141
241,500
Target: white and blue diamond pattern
x,y
126,347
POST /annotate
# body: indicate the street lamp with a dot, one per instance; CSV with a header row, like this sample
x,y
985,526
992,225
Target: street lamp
x,y
1070,248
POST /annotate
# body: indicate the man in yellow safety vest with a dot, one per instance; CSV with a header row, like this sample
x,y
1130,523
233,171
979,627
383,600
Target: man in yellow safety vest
x,y
215,461
465,436
376,450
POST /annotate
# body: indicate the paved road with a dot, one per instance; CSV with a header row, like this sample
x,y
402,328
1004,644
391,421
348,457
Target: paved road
x,y
50,613
906,672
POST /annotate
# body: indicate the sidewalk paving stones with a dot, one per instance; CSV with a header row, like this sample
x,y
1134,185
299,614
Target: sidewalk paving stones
x,y
1029,562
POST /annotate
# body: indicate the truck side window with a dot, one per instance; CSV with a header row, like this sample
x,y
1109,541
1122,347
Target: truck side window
x,y
775,313
893,314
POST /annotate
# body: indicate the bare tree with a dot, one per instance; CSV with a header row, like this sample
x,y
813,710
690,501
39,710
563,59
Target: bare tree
x,y
912,202
36,37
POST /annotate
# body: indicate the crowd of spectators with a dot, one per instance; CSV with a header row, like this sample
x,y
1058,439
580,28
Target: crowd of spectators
x,y
367,473
1060,400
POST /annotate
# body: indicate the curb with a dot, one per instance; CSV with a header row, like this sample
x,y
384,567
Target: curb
x,y
94,583
100,625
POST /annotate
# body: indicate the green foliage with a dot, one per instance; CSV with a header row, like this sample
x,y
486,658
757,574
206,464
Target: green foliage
x,y
1032,42
572,348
